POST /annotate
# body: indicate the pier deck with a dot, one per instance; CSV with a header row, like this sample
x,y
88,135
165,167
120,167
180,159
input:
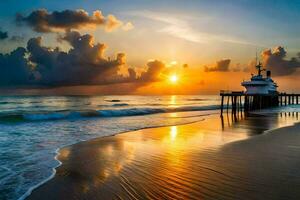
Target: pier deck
x,y
238,101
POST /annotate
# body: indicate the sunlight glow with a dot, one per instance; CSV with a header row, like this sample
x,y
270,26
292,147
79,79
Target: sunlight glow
x,y
173,78
173,62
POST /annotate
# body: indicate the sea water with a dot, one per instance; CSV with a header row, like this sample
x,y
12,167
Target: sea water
x,y
33,128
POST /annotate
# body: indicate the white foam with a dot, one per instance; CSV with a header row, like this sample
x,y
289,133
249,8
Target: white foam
x,y
57,115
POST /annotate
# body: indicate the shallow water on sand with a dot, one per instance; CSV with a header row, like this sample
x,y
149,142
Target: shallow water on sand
x,y
209,159
32,128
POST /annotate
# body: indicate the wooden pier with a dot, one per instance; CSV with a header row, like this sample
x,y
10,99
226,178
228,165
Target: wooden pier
x,y
238,101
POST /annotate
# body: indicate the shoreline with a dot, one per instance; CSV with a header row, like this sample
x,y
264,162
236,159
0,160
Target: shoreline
x,y
30,190
35,190
57,152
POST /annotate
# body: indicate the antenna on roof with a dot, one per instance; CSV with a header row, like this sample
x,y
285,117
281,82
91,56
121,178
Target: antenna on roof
x,y
256,56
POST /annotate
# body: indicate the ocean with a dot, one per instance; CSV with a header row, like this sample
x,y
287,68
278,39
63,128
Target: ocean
x,y
34,128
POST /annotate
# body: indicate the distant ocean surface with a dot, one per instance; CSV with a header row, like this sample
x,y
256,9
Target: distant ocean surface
x,y
33,128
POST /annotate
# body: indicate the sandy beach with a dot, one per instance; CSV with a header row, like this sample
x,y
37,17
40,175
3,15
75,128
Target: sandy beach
x,y
209,159
140,99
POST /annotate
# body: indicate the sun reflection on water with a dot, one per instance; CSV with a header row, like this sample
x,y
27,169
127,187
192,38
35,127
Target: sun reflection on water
x,y
173,132
162,156
173,101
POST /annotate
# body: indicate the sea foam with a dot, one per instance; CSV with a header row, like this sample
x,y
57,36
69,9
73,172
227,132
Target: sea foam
x,y
59,115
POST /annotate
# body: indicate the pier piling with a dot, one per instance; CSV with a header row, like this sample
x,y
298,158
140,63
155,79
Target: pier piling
x,y
245,102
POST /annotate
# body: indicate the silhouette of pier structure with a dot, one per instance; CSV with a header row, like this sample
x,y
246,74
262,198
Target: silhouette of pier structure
x,y
239,101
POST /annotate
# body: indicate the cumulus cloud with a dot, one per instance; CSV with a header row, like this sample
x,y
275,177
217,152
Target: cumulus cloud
x,y
154,69
275,60
3,35
15,68
83,64
272,59
220,66
43,21
112,23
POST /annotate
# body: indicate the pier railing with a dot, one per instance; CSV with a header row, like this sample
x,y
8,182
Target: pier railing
x,y
238,101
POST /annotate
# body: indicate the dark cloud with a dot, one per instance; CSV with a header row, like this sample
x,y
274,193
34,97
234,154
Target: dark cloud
x,y
3,35
83,64
16,38
43,21
275,60
15,68
220,66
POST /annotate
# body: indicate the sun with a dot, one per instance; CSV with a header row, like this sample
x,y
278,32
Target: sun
x,y
173,78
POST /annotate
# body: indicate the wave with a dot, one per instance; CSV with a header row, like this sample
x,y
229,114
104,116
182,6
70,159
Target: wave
x,y
13,102
113,100
58,115
121,104
197,99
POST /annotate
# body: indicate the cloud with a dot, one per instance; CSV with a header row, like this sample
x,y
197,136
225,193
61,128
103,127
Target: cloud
x,y
185,66
181,27
275,60
83,64
112,23
240,68
272,59
173,26
16,38
43,21
3,35
154,69
15,68
220,66
128,26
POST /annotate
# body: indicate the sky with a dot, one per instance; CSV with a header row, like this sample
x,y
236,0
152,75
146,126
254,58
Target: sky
x,y
137,46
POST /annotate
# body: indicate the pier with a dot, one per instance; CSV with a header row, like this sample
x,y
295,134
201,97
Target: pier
x,y
238,101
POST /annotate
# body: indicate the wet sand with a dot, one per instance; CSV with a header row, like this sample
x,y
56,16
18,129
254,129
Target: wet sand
x,y
210,159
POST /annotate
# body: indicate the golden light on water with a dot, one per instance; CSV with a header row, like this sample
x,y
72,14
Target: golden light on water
x,y
173,115
173,100
173,132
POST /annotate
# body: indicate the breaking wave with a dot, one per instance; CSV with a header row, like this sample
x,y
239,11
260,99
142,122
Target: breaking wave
x,y
59,115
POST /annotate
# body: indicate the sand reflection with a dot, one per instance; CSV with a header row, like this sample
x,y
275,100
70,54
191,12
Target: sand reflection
x,y
182,162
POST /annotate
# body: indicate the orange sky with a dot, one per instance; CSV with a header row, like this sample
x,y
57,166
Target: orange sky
x,y
192,81
218,49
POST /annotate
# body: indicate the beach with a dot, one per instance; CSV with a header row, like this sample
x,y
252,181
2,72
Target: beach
x,y
254,157
34,128
142,100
